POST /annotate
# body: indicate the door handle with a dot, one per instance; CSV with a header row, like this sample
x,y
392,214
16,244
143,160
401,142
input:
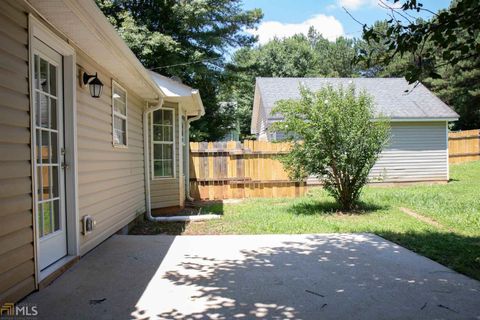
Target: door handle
x,y
65,166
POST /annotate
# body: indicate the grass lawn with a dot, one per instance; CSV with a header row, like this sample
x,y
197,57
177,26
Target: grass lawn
x,y
454,241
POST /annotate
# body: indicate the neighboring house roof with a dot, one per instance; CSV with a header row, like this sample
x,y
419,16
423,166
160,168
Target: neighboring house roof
x,y
389,96
178,92
83,23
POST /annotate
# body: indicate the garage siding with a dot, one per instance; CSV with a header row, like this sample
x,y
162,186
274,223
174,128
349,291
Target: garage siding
x,y
417,151
16,231
110,180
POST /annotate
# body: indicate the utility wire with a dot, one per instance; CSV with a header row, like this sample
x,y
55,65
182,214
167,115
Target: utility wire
x,y
185,63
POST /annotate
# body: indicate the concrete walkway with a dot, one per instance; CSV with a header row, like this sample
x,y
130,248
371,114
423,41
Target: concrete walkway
x,y
355,276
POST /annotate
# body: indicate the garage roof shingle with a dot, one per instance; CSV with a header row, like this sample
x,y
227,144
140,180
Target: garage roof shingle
x,y
388,93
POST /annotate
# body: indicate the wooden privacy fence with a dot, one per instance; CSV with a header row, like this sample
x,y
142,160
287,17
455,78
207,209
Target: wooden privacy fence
x,y
232,170
464,146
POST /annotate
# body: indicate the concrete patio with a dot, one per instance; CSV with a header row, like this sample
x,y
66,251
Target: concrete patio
x,y
325,276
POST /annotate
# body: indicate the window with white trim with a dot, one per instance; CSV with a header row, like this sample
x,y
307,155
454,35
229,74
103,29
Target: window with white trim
x,y
119,109
163,143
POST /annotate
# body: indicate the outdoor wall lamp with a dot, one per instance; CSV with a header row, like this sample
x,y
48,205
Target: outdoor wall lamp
x,y
95,85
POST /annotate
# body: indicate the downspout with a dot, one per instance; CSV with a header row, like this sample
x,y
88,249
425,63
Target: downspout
x,y
146,153
187,155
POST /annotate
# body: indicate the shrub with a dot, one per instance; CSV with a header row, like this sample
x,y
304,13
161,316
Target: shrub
x,y
340,139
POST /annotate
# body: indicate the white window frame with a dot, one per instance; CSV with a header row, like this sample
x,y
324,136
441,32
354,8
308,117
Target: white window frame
x,y
173,143
116,114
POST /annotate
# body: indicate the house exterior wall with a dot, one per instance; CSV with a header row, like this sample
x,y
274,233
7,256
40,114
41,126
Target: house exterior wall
x,y
418,151
17,266
110,179
111,185
165,192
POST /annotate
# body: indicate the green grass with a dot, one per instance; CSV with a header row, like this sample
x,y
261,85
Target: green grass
x,y
455,206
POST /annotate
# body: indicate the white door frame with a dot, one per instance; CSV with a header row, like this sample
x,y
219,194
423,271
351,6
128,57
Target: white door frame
x,y
38,30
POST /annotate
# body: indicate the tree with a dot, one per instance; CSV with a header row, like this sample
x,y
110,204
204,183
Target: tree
x,y
296,56
340,142
186,39
459,87
456,83
427,40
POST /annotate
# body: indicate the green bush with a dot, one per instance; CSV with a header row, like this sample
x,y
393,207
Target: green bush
x,y
341,139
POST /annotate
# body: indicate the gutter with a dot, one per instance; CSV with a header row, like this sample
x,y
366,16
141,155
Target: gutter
x,y
146,153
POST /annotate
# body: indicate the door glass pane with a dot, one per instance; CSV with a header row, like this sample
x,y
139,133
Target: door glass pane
x,y
53,113
45,144
43,75
39,184
54,147
53,80
42,110
38,149
56,215
46,185
47,218
54,181
40,219
36,72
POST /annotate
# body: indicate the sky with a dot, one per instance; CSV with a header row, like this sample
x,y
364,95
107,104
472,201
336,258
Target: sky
x,y
286,17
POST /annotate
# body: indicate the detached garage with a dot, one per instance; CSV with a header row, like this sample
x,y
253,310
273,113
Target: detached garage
x,y
418,147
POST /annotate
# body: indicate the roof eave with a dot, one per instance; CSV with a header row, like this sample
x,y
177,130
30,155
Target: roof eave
x,y
95,15
95,24
426,119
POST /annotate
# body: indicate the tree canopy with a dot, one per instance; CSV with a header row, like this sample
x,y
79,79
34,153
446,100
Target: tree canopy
x,y
442,52
186,39
297,56
190,39
449,37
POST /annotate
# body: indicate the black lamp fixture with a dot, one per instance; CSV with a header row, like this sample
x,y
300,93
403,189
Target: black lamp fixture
x,y
96,86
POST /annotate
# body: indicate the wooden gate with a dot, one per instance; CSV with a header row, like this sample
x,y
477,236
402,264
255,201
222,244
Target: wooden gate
x,y
232,170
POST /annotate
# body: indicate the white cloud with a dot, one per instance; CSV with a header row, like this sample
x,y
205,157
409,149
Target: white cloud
x,y
328,26
353,4
356,4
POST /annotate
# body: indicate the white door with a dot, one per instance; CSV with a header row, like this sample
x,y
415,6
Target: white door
x,y
47,89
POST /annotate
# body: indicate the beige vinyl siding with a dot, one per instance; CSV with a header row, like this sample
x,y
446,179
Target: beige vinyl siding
x,y
110,179
165,192
16,231
417,152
